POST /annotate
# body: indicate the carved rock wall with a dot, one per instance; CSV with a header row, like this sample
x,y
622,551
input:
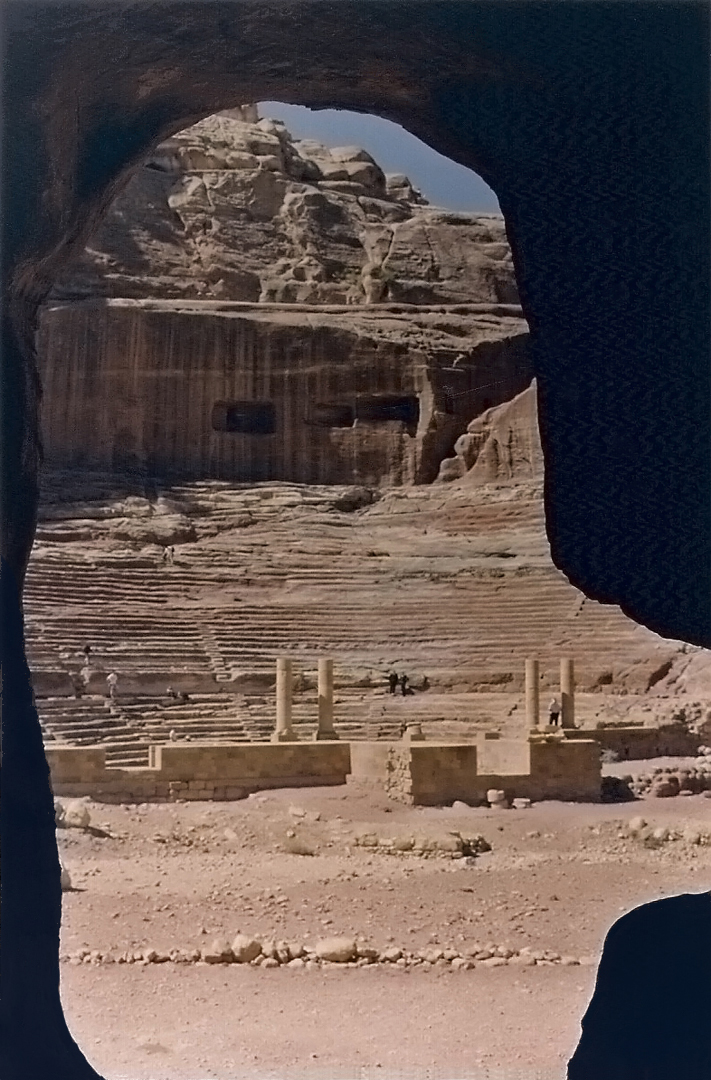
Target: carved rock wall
x,y
148,388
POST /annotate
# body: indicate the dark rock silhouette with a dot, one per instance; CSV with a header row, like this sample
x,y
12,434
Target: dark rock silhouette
x,y
591,124
650,1015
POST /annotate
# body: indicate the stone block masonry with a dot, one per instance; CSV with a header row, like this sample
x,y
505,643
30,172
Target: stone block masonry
x,y
423,774
433,774
198,772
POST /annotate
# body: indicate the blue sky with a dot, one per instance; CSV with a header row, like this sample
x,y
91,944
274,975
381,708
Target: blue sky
x,y
442,181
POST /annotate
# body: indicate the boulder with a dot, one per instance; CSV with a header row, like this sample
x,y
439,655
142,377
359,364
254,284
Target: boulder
x,y
76,815
245,949
219,952
337,950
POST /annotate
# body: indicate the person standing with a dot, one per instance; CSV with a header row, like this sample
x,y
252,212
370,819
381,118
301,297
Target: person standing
x,y
393,681
111,682
554,712
404,680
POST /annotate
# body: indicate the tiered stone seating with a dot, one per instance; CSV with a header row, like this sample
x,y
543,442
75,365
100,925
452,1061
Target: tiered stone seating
x,y
275,571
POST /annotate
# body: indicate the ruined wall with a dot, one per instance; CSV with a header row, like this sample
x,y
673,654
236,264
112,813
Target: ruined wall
x,y
204,772
424,774
433,774
135,388
641,742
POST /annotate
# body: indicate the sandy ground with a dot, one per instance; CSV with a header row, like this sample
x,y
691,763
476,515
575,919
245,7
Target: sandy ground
x,y
180,875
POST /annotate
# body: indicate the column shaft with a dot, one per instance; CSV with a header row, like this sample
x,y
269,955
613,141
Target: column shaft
x,y
532,694
567,693
326,729
284,688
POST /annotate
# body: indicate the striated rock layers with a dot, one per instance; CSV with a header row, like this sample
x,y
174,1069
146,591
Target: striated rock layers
x,y
251,393
238,210
256,308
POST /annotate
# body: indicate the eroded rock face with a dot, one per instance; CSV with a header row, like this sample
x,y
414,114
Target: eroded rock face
x,y
236,209
500,445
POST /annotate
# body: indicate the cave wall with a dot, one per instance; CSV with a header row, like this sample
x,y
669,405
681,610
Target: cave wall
x,y
590,121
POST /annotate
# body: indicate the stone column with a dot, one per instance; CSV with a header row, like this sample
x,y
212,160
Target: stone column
x,y
284,687
532,694
567,693
326,729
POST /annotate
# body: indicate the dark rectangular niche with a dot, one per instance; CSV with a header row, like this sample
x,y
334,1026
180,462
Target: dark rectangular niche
x,y
332,415
381,408
244,417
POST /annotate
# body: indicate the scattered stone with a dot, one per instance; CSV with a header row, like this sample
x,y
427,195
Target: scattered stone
x,y
218,953
270,962
497,799
76,815
245,949
336,950
522,960
521,804
296,964
430,955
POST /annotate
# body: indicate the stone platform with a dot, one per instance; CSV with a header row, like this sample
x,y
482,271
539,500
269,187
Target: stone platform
x,y
425,774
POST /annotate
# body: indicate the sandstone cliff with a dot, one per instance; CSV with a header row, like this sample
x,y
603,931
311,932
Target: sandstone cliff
x,y
234,208
502,444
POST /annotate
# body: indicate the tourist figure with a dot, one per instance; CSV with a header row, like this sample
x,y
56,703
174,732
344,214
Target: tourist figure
x,y
85,675
425,683
170,692
87,653
164,557
403,729
172,735
554,712
183,698
171,555
404,680
111,682
393,681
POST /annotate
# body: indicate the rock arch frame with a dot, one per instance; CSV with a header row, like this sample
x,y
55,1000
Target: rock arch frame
x,y
588,120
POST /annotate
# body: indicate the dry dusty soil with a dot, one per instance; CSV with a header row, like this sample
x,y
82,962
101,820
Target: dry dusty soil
x,y
180,876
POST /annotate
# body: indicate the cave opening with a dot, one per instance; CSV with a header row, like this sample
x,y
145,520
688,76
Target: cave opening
x,y
504,100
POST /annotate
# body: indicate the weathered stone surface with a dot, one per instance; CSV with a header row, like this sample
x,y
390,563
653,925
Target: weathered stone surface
x,y
76,815
245,949
501,445
234,210
219,952
337,950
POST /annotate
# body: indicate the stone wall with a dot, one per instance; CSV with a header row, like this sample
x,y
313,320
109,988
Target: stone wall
x,y
205,772
433,774
641,742
233,392
425,774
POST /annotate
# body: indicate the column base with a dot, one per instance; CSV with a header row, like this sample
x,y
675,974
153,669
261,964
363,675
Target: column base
x,y
325,736
284,736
